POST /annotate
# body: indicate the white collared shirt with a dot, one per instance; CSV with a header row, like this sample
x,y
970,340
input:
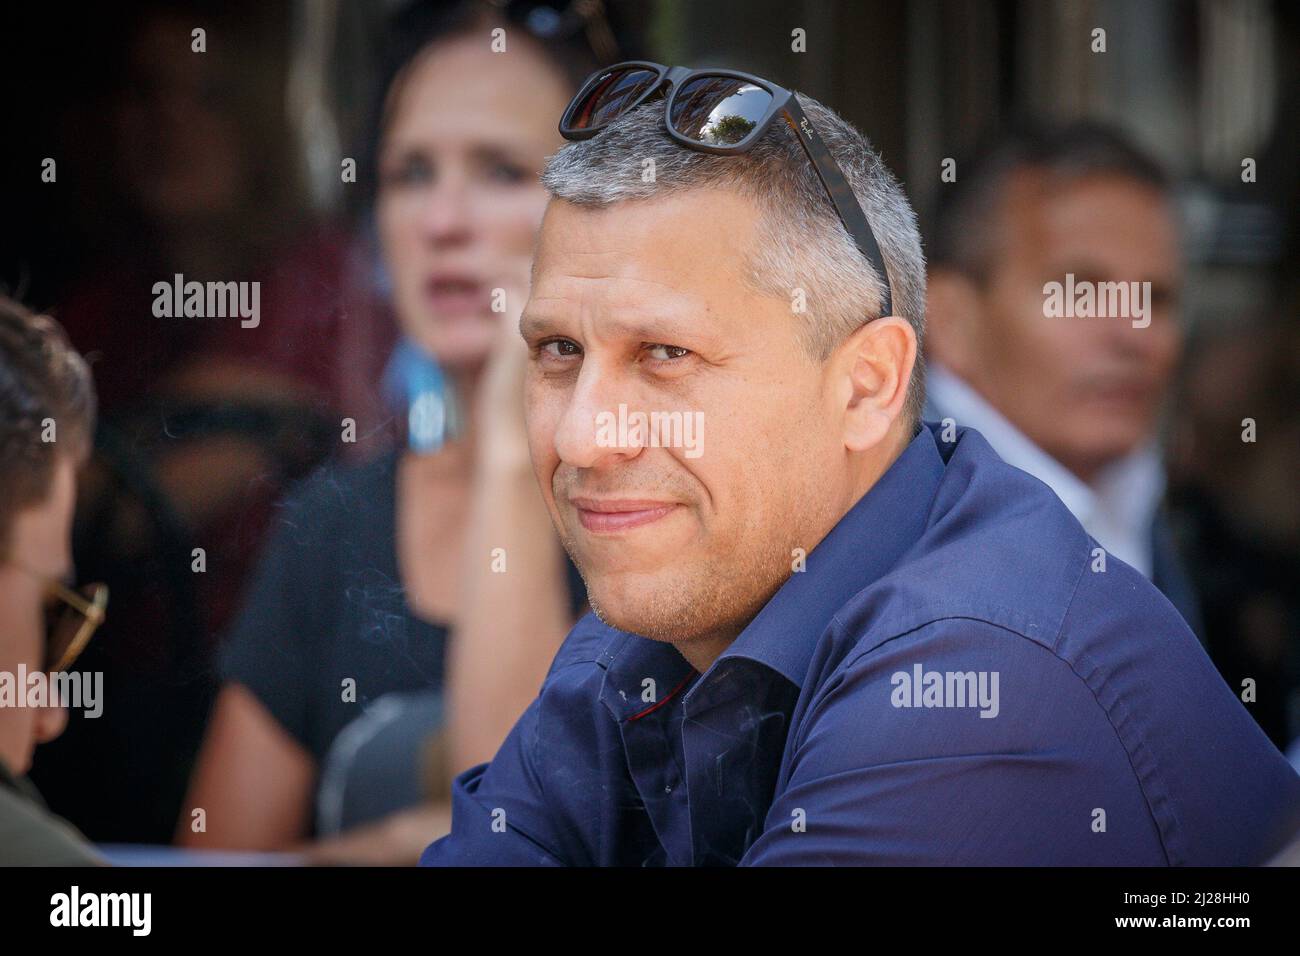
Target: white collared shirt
x,y
1118,509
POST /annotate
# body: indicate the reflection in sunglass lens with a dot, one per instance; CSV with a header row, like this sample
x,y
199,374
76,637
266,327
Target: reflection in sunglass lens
x,y
719,110
611,95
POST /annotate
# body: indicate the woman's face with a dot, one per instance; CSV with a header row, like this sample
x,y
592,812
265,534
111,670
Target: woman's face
x,y
459,200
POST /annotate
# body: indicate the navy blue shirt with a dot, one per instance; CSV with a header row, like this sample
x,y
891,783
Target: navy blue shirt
x,y
954,679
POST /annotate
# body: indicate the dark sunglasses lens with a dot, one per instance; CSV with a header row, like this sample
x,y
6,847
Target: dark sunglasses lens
x,y
719,110
610,96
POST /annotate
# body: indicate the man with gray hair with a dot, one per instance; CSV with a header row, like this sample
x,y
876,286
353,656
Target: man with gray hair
x,y
833,637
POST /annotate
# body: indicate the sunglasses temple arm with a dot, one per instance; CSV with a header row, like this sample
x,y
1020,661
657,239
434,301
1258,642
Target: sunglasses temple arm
x,y
840,193
70,596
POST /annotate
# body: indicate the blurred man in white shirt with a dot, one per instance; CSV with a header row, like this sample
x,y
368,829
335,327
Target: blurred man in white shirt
x,y
1073,396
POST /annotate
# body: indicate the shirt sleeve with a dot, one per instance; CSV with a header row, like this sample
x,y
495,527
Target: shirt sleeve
x,y
499,813
548,797
877,777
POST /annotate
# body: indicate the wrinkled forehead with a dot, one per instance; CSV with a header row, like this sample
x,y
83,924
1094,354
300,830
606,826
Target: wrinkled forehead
x,y
645,267
682,252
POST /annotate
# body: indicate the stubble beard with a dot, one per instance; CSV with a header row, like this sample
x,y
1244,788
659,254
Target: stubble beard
x,y
704,600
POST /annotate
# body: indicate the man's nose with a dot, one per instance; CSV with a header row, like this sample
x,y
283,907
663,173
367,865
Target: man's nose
x,y
1142,338
589,433
50,722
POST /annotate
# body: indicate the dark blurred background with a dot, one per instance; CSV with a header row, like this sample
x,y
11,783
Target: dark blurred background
x,y
229,165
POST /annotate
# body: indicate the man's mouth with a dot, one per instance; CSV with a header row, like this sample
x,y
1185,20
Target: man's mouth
x,y
1120,391
607,515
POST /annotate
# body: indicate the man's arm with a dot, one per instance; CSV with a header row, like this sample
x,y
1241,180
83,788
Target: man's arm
x,y
499,815
542,801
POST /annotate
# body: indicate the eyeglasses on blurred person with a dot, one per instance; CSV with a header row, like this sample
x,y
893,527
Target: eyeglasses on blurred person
x,y
47,416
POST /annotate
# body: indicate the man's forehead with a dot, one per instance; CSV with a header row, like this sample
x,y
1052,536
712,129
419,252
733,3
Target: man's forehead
x,y
1075,223
623,305
672,225
643,249
1061,202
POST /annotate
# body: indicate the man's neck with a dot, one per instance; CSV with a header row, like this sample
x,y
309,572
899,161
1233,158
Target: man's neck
x,y
870,469
701,652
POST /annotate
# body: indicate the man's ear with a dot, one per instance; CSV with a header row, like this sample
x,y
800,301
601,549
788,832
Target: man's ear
x,y
874,366
953,313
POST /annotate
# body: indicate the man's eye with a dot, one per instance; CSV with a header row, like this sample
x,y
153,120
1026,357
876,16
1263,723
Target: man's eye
x,y
666,353
560,348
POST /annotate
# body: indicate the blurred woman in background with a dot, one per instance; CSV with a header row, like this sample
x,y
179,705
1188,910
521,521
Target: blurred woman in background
x,y
379,616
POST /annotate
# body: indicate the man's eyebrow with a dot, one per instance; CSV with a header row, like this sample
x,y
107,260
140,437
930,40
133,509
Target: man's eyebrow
x,y
534,321
658,325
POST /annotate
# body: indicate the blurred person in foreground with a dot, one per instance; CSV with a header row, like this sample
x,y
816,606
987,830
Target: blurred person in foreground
x,y
44,385
1073,399
832,636
205,420
423,594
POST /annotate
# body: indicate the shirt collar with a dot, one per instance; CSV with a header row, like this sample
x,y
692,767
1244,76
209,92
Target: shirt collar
x,y
1125,495
862,547
953,397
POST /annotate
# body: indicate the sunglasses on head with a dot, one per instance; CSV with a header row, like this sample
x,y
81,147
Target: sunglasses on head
x,y
723,112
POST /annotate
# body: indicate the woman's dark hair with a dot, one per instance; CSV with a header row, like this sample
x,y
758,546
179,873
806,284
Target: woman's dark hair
x,y
42,381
